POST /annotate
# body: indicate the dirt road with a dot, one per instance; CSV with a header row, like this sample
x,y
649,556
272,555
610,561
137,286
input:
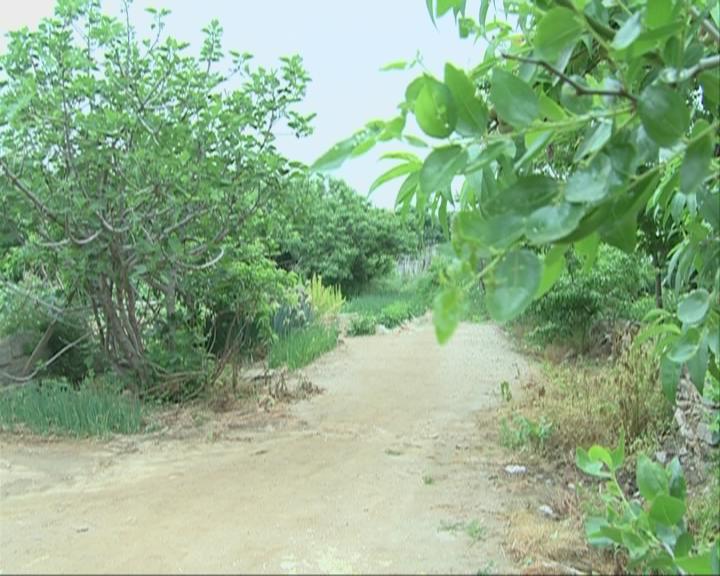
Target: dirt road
x,y
387,471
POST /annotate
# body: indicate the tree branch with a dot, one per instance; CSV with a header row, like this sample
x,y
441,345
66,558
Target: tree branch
x,y
30,194
579,88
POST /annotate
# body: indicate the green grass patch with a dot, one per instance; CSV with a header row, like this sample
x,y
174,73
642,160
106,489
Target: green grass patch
x,y
55,407
300,347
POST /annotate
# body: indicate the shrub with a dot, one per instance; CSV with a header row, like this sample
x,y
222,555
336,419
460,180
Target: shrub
x,y
396,313
362,326
299,348
56,407
579,299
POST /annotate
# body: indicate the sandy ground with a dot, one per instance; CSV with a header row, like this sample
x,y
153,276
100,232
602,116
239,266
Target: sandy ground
x,y
381,473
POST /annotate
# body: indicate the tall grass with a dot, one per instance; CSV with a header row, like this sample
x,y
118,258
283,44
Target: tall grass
x,y
55,407
300,347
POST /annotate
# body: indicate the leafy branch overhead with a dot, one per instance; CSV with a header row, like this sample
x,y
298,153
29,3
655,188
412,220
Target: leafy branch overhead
x,y
579,118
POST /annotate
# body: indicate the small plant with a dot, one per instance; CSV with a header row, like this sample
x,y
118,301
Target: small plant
x,y
300,347
395,314
505,391
651,528
525,433
475,530
326,300
362,326
428,480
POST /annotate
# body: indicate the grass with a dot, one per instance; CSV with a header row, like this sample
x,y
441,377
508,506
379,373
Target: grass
x,y
300,347
55,407
590,403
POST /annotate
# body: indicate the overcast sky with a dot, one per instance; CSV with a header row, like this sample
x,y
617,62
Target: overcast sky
x,y
343,44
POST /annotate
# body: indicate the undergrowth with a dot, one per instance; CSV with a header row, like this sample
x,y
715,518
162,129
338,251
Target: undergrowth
x,y
56,407
300,347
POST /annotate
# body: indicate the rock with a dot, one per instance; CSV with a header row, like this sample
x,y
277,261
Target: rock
x,y
547,511
515,469
706,435
661,456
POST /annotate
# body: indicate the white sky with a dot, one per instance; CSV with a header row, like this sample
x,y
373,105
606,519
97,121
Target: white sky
x,y
343,44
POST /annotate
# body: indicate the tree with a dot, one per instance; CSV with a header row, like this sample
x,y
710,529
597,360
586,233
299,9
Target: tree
x,y
143,169
580,116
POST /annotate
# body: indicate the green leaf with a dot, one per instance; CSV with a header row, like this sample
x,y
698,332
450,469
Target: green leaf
x,y
336,156
676,478
621,233
602,454
710,207
669,377
658,13
663,113
447,313
685,347
515,102
698,365
553,222
435,109
693,307
710,82
667,509
514,283
696,163
651,479
553,266
628,32
591,184
396,65
526,195
596,138
589,465
702,564
636,545
472,114
558,30
393,173
492,234
587,250
440,167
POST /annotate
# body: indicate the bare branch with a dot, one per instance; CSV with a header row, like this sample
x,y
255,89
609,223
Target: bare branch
x,y
706,23
579,88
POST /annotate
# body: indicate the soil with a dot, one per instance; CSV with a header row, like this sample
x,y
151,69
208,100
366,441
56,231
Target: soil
x,y
394,468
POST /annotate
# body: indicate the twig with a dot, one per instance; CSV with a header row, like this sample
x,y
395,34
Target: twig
x,y
706,24
579,88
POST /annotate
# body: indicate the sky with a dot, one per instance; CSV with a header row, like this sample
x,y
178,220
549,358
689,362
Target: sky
x,y
343,43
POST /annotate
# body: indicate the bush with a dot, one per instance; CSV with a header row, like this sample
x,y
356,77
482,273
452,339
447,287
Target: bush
x,y
56,407
362,326
299,348
609,291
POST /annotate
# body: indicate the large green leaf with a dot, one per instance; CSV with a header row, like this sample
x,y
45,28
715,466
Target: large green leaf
x,y
590,184
670,377
685,347
595,138
513,285
472,114
696,163
698,365
658,13
336,156
667,509
440,167
651,478
558,30
447,313
515,101
435,109
553,266
663,113
394,172
524,196
488,234
700,564
628,32
693,307
553,222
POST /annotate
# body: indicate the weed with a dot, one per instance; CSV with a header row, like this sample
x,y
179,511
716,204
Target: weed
x,y
56,407
300,347
362,326
428,480
475,531
326,300
524,433
393,452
